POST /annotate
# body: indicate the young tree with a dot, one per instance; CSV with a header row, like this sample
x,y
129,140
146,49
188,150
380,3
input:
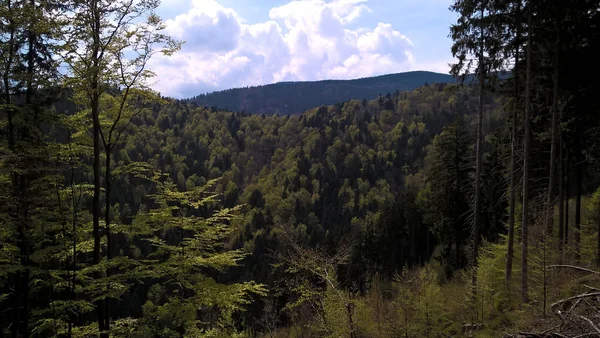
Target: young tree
x,y
314,282
103,35
187,253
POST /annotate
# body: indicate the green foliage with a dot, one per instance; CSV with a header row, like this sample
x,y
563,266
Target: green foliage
x,y
337,199
421,304
297,97
184,250
445,197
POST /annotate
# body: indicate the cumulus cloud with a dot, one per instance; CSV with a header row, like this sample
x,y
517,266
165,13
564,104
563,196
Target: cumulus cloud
x,y
302,40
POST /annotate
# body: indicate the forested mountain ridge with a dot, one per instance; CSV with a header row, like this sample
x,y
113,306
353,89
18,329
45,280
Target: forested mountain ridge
x,y
450,210
296,97
382,140
326,175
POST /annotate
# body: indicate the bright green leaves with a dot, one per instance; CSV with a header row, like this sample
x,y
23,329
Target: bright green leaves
x,y
185,248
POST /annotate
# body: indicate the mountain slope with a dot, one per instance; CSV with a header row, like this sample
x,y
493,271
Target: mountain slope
x,y
296,97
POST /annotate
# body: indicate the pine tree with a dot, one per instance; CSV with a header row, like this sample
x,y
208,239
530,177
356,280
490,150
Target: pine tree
x,y
516,45
448,170
476,34
526,159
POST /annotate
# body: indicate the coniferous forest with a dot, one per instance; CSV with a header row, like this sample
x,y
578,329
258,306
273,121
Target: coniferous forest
x,y
460,209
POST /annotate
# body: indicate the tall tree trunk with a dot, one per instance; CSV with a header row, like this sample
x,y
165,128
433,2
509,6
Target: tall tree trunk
x,y
23,179
567,196
525,221
413,244
549,219
109,248
458,197
16,324
578,183
427,244
20,179
513,156
561,197
479,145
458,240
95,109
598,236
96,202
22,287
6,77
75,203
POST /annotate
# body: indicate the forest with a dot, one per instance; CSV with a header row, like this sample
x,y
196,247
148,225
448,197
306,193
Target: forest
x,y
463,209
297,97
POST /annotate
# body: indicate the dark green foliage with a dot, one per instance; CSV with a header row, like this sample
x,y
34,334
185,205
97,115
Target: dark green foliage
x,y
222,222
447,194
296,97
332,172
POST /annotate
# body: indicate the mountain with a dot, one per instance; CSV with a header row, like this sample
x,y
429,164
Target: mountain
x,y
296,97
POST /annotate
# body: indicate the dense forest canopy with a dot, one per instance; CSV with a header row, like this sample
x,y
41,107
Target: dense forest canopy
x,y
297,97
454,208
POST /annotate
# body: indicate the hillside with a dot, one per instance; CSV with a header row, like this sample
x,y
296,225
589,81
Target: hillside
x,y
328,173
404,205
376,191
296,97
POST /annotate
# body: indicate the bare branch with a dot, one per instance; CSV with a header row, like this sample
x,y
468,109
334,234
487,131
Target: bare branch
x,y
591,323
575,268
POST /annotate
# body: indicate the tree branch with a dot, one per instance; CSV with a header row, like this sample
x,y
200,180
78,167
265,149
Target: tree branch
x,y
574,267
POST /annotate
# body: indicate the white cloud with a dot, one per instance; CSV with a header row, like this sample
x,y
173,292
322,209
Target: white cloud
x,y
302,40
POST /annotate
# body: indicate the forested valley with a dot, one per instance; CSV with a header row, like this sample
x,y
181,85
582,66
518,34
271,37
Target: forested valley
x,y
452,210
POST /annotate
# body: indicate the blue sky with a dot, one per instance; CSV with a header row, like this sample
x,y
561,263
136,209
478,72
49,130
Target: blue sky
x,y
236,43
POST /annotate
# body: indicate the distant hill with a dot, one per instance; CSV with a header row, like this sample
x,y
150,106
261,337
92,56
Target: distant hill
x,y
296,97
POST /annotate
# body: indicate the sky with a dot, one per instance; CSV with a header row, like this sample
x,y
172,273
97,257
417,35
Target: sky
x,y
239,43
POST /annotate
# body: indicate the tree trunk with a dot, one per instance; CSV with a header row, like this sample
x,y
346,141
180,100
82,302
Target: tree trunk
x,y
458,239
479,158
598,235
30,70
11,146
6,79
458,197
578,183
512,201
20,179
413,246
350,310
109,248
525,221
22,287
567,196
74,244
549,219
96,202
95,109
513,155
23,180
427,244
561,197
